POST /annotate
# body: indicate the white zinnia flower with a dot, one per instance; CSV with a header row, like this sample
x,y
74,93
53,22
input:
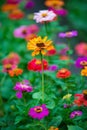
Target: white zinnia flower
x,y
44,16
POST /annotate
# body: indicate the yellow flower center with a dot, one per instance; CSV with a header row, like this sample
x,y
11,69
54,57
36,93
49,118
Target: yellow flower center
x,y
38,109
68,33
63,70
83,63
44,14
8,66
40,45
38,62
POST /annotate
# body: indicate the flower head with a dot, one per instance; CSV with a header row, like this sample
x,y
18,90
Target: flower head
x,y
44,16
84,72
9,7
13,1
30,4
68,34
53,128
81,62
59,12
67,96
81,49
75,113
36,65
53,67
51,52
38,112
23,86
63,73
15,72
39,45
54,3
81,99
16,14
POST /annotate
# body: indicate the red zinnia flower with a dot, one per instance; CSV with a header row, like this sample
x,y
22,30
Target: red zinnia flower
x,y
81,99
16,14
36,65
63,73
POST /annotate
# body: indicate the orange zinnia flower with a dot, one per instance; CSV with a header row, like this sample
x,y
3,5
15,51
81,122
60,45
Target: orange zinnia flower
x,y
15,72
53,128
9,7
16,14
30,36
63,73
54,3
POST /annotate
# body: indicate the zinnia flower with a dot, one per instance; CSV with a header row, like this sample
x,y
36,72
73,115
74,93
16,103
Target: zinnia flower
x,y
81,99
81,62
44,16
54,3
30,4
51,52
59,12
36,65
68,34
81,49
16,14
12,58
21,32
75,113
8,67
9,7
67,96
84,71
53,67
38,112
39,45
23,86
63,73
13,1
53,128
15,72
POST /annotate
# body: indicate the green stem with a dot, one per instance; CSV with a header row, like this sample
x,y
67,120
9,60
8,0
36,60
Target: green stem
x,y
42,78
46,28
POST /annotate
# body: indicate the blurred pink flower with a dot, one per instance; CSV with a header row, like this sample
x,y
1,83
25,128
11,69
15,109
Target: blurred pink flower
x,y
81,49
30,4
21,32
33,28
13,1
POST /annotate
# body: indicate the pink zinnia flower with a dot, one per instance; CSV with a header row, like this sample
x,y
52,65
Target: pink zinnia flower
x,y
23,86
44,16
75,113
21,32
70,34
30,4
81,49
13,1
38,112
33,28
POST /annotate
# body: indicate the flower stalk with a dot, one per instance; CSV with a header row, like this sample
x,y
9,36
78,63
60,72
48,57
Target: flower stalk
x,y
42,78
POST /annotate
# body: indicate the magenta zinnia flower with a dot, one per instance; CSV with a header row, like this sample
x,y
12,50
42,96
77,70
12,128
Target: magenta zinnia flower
x,y
38,112
23,86
81,62
75,113
30,4
70,34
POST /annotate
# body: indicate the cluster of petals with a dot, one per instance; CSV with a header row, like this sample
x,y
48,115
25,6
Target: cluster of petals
x,y
59,12
23,86
15,72
81,62
38,112
54,3
53,128
81,99
36,65
39,45
24,31
44,16
16,14
13,1
75,113
70,34
63,73
81,49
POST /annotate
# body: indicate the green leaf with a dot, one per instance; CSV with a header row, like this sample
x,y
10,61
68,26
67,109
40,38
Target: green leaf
x,y
50,104
18,119
71,127
37,95
56,121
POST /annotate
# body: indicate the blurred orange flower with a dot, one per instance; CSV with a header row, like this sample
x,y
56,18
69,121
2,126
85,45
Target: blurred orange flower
x,y
64,57
9,7
53,128
30,36
54,3
15,72
16,14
